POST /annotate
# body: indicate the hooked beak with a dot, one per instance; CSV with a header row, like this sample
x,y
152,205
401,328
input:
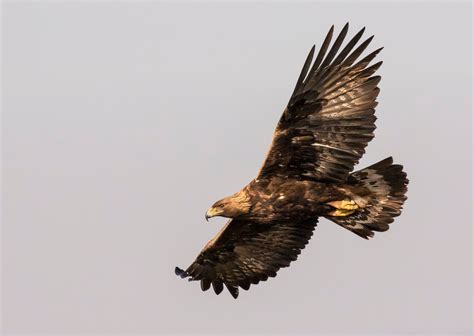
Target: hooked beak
x,y
211,213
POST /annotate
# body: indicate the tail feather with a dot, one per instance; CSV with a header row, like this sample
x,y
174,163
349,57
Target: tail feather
x,y
380,193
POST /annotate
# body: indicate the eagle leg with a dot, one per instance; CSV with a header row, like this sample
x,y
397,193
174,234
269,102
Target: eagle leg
x,y
341,213
343,208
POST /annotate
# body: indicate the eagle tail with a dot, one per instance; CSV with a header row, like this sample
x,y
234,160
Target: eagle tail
x,y
384,185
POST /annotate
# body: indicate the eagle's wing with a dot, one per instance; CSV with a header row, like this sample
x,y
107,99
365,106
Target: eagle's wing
x,y
244,253
330,116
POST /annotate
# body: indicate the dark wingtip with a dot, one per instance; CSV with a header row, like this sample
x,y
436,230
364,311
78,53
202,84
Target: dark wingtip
x,y
217,286
330,32
361,32
234,291
346,26
180,272
205,284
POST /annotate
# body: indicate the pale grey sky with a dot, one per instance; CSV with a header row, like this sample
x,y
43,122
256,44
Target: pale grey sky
x,y
123,122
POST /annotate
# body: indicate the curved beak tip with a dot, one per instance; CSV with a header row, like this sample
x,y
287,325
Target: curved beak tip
x,y
207,217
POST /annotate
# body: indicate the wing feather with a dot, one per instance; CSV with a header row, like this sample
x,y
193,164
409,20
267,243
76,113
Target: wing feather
x,y
322,52
330,118
245,253
335,48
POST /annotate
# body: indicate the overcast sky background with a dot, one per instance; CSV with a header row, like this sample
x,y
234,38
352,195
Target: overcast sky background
x,y
123,122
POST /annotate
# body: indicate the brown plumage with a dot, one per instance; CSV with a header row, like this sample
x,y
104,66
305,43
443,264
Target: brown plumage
x,y
321,135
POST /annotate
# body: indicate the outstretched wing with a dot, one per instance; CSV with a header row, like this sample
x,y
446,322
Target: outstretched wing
x,y
330,116
245,253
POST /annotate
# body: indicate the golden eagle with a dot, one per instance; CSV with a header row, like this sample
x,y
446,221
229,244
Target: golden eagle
x,y
321,135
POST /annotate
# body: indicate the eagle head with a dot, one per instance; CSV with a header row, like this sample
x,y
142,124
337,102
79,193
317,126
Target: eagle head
x,y
230,207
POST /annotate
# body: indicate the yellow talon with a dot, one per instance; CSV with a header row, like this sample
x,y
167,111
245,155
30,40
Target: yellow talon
x,y
341,213
344,205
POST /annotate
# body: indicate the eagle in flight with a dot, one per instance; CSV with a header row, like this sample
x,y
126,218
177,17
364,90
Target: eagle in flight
x,y
307,174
